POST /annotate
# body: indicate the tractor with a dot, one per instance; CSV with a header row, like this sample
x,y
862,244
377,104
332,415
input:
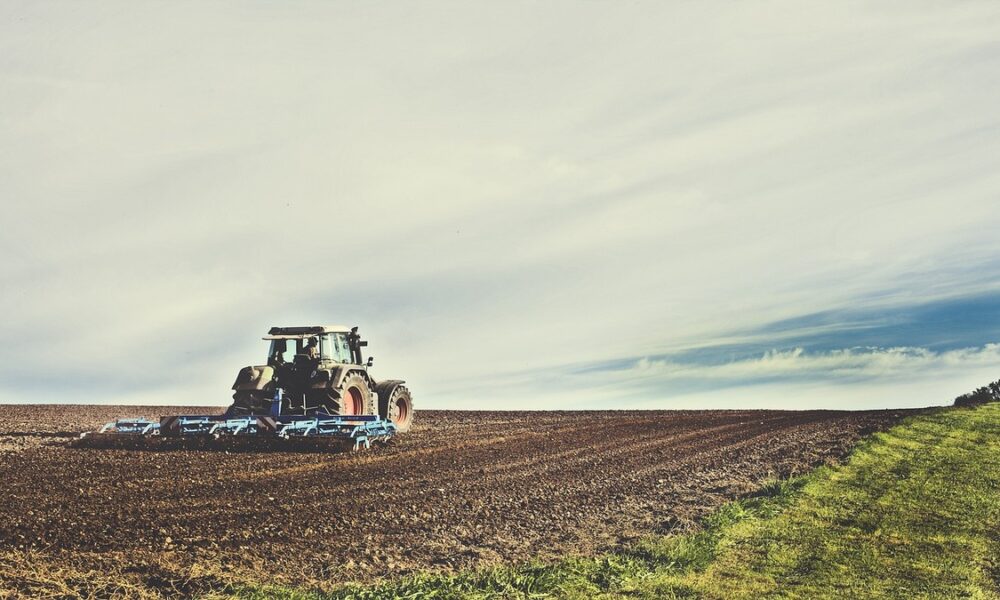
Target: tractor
x,y
315,392
321,371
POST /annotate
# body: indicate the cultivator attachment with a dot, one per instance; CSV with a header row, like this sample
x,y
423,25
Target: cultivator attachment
x,y
251,432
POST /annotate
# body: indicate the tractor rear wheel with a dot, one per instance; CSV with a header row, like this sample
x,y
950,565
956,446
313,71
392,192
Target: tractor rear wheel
x,y
352,397
398,408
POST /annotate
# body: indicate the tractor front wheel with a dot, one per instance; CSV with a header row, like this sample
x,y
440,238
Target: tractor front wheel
x,y
399,408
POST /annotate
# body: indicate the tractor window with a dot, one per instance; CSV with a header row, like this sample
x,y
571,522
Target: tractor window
x,y
333,346
286,349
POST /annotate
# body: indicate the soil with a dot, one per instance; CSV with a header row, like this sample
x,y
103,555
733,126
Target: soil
x,y
461,489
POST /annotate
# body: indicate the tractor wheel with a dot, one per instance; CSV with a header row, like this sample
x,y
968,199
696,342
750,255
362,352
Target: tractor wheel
x,y
352,397
323,399
398,408
251,402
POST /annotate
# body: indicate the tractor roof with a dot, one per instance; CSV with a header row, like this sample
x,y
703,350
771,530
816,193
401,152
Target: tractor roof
x,y
279,333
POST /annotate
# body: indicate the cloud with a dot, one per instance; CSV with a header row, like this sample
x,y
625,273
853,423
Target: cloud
x,y
847,363
493,193
846,378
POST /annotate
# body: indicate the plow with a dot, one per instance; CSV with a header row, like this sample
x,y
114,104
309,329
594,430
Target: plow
x,y
314,393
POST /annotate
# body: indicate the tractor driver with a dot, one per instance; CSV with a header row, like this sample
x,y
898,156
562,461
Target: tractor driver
x,y
278,356
311,349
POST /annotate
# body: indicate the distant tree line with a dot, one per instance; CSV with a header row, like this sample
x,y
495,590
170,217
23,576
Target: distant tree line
x,y
987,393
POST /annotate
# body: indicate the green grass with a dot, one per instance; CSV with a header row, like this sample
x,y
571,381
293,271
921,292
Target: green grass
x,y
914,513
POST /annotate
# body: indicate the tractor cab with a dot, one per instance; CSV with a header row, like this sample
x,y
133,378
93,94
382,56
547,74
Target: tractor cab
x,y
335,345
332,347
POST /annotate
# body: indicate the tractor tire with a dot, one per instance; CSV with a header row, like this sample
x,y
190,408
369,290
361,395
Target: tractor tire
x,y
396,405
352,397
251,402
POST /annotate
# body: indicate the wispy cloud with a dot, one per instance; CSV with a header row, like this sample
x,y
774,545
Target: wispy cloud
x,y
833,365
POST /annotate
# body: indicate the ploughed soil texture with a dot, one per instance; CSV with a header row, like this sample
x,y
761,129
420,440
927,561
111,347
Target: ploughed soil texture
x,y
461,489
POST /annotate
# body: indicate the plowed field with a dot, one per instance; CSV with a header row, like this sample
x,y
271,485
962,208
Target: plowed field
x,y
462,489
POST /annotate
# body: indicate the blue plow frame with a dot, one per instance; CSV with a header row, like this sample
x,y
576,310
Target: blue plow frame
x,y
360,430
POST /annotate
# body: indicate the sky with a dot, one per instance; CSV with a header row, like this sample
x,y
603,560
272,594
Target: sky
x,y
523,205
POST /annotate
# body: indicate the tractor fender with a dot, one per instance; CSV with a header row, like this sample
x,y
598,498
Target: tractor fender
x,y
387,385
254,377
